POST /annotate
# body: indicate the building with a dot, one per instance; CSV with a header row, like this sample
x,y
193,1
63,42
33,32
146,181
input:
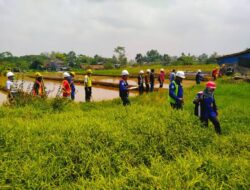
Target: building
x,y
240,62
95,67
56,66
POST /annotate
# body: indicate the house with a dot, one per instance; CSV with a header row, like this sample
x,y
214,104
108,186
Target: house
x,y
56,66
240,61
95,67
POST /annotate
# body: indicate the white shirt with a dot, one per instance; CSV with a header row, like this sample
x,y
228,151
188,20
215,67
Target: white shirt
x,y
86,78
10,86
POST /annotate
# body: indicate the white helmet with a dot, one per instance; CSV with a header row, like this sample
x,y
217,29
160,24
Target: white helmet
x,y
10,74
141,71
180,74
199,71
162,69
66,74
125,72
148,70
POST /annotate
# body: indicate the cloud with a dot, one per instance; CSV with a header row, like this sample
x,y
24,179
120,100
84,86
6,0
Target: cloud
x,y
98,26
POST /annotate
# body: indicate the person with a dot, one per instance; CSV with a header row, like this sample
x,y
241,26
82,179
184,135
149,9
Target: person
x,y
205,107
88,85
72,85
161,78
172,75
176,91
222,70
198,77
123,88
10,87
140,82
152,80
38,87
66,86
147,80
215,73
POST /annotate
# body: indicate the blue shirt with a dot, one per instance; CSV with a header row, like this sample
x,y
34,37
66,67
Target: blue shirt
x,y
123,88
172,75
210,108
172,90
72,85
198,78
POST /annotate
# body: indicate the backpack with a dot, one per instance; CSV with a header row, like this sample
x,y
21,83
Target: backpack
x,y
198,101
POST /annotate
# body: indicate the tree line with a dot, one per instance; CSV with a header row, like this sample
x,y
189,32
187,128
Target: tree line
x,y
119,59
153,56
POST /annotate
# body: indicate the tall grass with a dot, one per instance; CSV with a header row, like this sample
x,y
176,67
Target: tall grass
x,y
143,146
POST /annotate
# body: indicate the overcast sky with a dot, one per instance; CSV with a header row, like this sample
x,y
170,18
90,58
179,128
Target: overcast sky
x,y
98,26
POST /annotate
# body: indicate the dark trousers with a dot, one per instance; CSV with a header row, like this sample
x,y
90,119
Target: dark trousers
x,y
161,84
141,89
176,106
215,122
125,100
72,95
151,87
88,93
147,87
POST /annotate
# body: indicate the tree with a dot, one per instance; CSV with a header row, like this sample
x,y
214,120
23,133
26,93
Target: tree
x,y
99,59
166,59
203,58
5,54
139,58
36,65
186,59
60,56
71,58
212,58
120,55
153,56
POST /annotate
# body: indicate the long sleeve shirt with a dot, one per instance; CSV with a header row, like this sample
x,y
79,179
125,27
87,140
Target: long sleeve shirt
x,y
72,85
123,88
140,80
172,91
152,78
162,76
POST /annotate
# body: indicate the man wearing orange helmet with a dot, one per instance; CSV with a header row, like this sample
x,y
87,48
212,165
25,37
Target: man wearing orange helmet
x,y
205,106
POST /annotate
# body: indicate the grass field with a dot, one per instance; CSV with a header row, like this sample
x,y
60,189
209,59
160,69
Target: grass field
x,y
60,145
135,69
168,69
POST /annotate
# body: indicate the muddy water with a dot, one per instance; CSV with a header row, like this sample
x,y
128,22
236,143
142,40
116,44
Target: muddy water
x,y
115,80
133,81
98,94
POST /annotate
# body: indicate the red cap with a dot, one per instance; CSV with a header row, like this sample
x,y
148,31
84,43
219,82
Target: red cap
x,y
211,84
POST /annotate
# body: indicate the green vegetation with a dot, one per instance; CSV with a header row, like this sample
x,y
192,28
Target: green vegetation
x,y
153,56
55,61
135,69
61,145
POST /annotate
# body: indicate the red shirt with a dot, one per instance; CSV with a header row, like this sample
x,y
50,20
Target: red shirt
x,y
162,76
215,72
66,88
